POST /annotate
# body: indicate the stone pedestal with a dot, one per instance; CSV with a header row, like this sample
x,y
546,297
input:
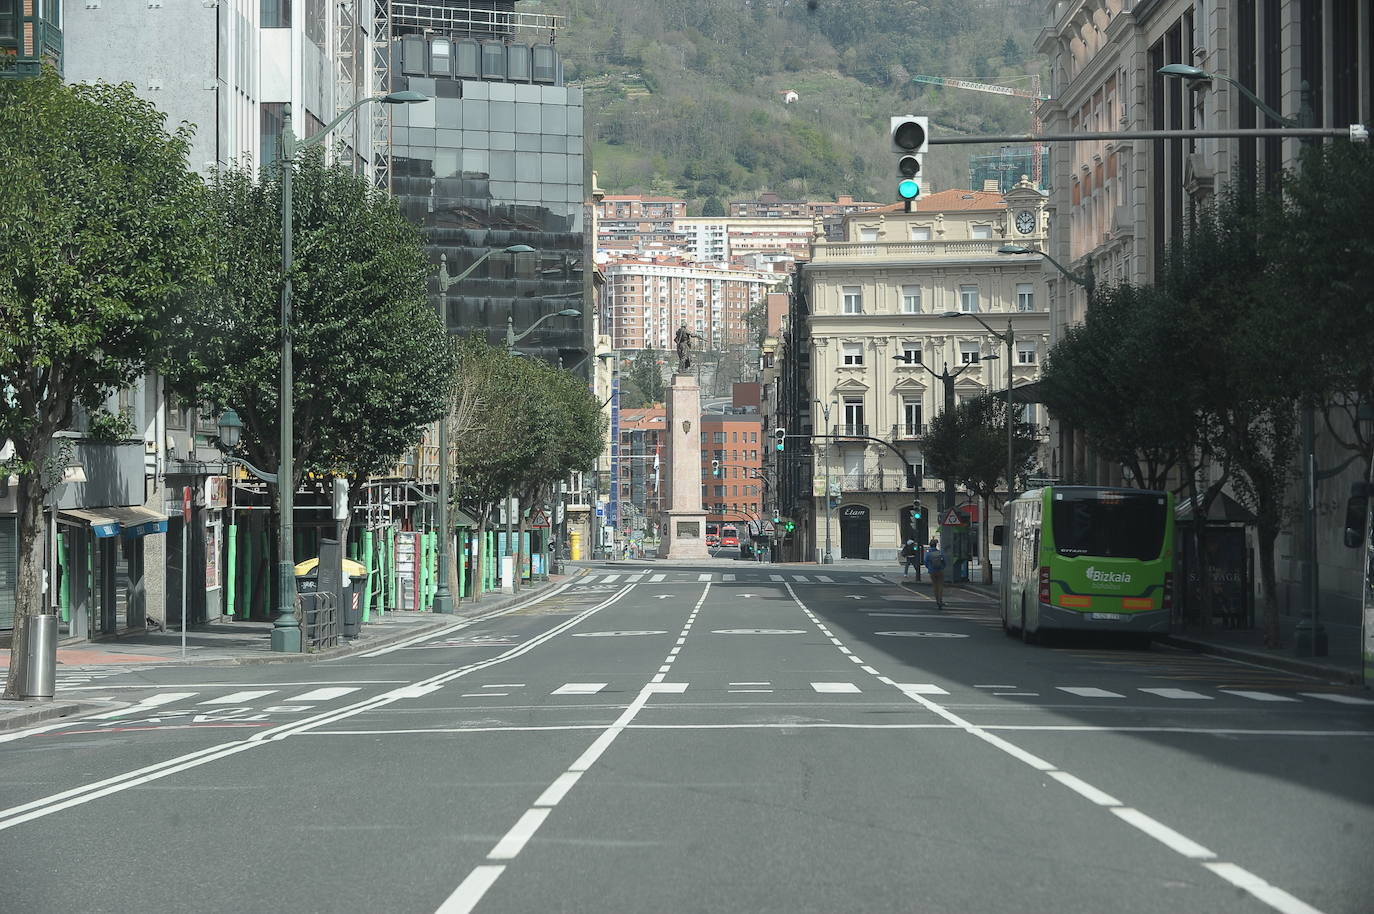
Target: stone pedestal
x,y
685,519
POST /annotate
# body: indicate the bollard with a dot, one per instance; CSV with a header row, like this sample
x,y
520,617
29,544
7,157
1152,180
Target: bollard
x,y
40,656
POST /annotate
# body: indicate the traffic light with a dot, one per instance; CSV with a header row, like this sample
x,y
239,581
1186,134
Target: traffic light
x,y
910,138
781,436
916,512
791,526
715,467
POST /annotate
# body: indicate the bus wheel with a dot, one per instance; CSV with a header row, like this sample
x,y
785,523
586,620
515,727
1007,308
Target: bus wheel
x,y
1027,636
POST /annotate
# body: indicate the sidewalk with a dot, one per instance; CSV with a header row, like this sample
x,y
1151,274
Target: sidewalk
x,y
1342,663
226,643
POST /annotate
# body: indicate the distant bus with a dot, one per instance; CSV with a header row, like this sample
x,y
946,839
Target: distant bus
x,y
1087,558
712,534
729,535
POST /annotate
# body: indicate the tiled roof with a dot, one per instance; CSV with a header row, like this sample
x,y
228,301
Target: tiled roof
x,y
945,201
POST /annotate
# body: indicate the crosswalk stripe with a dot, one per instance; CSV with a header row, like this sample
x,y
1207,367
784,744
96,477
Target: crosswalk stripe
x,y
727,577
1089,692
152,701
234,698
872,580
579,688
921,688
702,578
1180,694
835,687
800,579
656,578
1338,698
1258,696
824,580
610,579
590,579
775,577
324,694
634,578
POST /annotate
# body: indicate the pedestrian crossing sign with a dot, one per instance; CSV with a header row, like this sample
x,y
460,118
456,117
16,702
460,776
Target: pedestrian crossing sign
x,y
953,518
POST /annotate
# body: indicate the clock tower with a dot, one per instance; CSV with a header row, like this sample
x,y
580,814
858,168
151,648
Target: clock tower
x,y
1026,214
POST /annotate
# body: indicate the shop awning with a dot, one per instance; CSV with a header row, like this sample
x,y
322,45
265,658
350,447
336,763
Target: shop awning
x,y
129,521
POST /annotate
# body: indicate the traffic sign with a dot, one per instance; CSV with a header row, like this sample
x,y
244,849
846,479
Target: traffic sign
x,y
953,518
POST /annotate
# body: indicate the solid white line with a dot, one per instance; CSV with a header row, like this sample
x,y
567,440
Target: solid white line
x,y
471,890
510,846
152,701
872,580
869,670
835,687
1258,696
1338,698
1028,728
1271,895
34,731
994,686
579,688
324,694
1083,788
236,698
701,578
505,685
750,683
1089,692
608,736
654,579
1179,694
484,695
1163,833
750,690
555,792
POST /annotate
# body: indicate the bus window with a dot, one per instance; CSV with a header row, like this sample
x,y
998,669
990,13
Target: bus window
x,y
1116,526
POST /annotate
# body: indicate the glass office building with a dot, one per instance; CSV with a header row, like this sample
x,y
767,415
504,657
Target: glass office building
x,y
497,159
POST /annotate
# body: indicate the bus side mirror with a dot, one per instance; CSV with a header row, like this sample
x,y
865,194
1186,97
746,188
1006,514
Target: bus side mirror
x,y
998,534
1355,519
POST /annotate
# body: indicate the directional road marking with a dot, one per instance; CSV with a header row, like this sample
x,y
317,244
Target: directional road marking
x,y
1258,696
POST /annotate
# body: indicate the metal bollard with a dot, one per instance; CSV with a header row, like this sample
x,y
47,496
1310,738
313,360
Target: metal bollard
x,y
40,656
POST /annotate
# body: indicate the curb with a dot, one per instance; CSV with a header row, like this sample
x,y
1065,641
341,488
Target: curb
x,y
48,710
358,645
1261,658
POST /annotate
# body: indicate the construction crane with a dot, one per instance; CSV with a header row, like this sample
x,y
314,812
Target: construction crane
x,y
1033,94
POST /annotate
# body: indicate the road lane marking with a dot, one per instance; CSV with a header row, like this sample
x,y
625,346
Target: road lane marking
x,y
238,698
800,579
703,578
324,694
727,577
554,793
1176,841
775,577
471,890
1338,698
610,579
579,688
1089,692
835,687
1179,694
635,578
654,579
152,701
825,580
872,580
920,688
510,846
1258,696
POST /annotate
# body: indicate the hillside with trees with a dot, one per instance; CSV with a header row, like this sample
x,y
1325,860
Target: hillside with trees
x,y
687,97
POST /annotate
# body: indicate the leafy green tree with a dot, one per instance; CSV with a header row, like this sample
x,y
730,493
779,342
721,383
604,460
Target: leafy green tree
x,y
969,443
713,207
370,357
101,235
646,378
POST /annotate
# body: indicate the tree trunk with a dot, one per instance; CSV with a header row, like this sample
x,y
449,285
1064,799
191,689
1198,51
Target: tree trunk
x,y
29,593
987,541
1268,535
479,567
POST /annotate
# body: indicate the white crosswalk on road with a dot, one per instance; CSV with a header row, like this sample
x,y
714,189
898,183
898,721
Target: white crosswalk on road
x,y
238,698
1089,692
579,688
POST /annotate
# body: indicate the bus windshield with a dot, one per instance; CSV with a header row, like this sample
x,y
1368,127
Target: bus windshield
x,y
1109,524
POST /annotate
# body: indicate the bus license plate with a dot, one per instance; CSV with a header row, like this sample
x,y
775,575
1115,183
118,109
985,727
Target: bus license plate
x,y
1107,617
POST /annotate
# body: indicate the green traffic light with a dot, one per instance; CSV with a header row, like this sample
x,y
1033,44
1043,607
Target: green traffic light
x,y
908,189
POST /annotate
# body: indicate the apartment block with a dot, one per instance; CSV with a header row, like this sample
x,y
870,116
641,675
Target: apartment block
x,y
648,299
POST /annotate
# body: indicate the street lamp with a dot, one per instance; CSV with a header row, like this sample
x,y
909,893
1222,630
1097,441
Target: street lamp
x,y
946,378
286,629
1192,74
443,599
1084,279
1008,338
825,410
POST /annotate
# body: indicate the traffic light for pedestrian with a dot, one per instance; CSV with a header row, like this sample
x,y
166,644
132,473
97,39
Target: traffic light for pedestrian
x,y
910,138
791,526
781,436
916,511
715,467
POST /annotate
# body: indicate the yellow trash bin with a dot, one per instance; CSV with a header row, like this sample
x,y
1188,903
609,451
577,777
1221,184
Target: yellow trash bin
x,y
575,545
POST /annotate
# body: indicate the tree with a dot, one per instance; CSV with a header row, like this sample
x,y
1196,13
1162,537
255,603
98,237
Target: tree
x,y
101,235
371,359
713,207
646,375
969,443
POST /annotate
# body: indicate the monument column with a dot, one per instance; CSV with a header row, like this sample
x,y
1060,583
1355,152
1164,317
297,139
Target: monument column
x,y
684,535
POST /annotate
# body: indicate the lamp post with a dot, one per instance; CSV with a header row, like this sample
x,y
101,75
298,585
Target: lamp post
x,y
1009,338
825,410
946,378
511,339
1084,279
286,629
443,599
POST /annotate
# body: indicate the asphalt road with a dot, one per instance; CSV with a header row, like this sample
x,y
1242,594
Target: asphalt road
x,y
718,739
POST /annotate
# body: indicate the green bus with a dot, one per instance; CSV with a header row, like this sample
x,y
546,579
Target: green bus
x,y
1087,558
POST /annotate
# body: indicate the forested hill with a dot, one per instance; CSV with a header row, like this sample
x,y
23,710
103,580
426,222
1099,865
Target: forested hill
x,y
687,96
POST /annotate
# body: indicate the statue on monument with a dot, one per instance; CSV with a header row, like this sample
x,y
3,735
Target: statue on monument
x,y
682,341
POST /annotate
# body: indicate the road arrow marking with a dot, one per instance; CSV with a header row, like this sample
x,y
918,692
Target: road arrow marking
x,y
663,596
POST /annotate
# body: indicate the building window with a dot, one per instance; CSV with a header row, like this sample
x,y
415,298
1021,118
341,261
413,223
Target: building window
x,y
275,14
968,299
982,232
854,416
271,123
911,299
969,353
911,417
717,437
853,353
1030,414
920,233
1025,296
911,353
1025,353
868,234
853,300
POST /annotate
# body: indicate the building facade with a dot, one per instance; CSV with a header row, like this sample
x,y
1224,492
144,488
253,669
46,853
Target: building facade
x,y
648,299
876,354
732,492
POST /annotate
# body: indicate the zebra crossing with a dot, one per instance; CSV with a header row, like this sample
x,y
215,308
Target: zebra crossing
x,y
218,707
692,577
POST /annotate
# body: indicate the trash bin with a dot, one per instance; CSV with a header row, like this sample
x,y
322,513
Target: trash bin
x,y
352,615
309,582
40,656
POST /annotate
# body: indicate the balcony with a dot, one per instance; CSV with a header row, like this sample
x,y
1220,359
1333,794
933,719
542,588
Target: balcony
x,y
875,479
847,430
907,432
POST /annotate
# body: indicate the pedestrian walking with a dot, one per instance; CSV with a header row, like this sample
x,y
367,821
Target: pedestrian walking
x,y
935,564
911,559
